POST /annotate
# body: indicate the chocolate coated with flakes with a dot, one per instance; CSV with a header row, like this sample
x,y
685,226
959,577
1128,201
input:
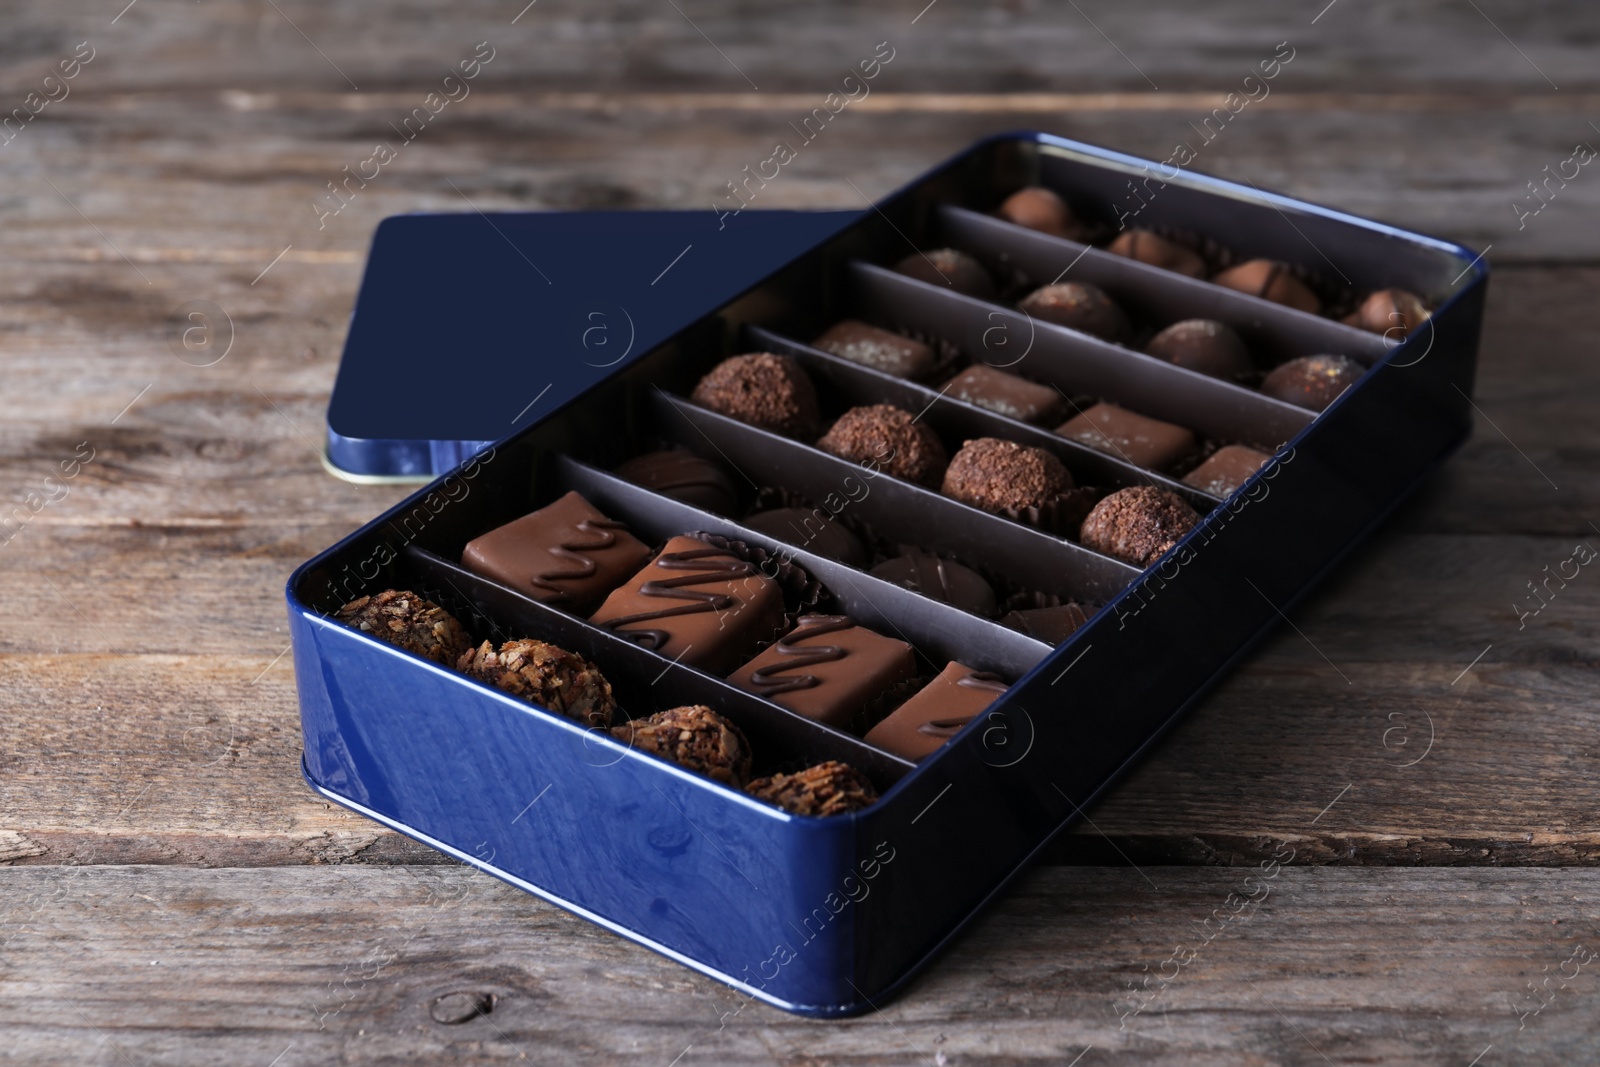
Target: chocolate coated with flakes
x,y
1138,525
1312,382
695,738
761,389
1005,394
543,674
890,439
407,621
878,349
999,476
830,788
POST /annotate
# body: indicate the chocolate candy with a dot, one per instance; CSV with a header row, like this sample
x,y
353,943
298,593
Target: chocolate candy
x,y
878,349
764,390
830,788
949,268
1147,247
683,476
1138,525
407,621
813,531
942,579
884,436
1144,442
693,737
699,605
1204,346
1078,306
543,674
918,728
1391,312
1003,476
827,668
1051,625
1005,394
1226,469
1312,382
1270,281
1040,209
566,554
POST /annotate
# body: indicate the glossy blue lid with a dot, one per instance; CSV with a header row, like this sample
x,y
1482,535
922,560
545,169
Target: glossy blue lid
x,y
470,326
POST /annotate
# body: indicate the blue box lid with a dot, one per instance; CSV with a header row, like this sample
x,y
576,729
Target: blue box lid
x,y
470,326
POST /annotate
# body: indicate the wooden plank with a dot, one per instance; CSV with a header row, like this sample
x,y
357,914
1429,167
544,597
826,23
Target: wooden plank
x,y
129,965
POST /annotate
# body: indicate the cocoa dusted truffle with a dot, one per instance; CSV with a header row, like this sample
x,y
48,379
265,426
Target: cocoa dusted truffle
x,y
830,788
545,675
1204,346
1081,307
407,621
695,738
1040,209
884,436
878,349
949,268
1147,247
1138,525
1001,476
1270,281
1391,312
1312,382
681,475
764,390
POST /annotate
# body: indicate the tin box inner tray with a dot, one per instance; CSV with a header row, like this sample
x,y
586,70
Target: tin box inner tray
x,y
829,915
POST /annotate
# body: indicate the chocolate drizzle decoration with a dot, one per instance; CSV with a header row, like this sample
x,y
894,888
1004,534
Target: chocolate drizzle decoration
x,y
948,728
603,532
718,566
766,680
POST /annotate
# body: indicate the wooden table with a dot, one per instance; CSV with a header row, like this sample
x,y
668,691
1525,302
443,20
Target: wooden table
x,y
172,891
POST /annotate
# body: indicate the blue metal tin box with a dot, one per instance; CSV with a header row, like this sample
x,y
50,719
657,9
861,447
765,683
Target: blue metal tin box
x,y
829,916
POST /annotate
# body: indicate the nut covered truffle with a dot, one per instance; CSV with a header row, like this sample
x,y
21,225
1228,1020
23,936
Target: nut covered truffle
x,y
830,788
1002,476
1081,307
1138,525
407,621
949,268
545,675
1312,382
764,390
889,438
695,738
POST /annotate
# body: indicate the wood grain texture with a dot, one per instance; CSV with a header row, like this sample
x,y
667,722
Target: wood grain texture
x,y
310,966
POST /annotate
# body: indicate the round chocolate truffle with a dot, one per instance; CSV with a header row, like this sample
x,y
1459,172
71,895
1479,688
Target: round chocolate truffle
x,y
1078,306
683,476
883,436
1270,281
811,530
830,788
407,621
764,390
1040,209
1157,251
1003,476
693,737
543,674
941,579
947,267
1312,382
1138,525
1203,345
1391,312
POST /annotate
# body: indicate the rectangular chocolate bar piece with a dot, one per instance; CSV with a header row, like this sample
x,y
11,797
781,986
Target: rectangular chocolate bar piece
x,y
937,713
827,668
1005,394
567,554
697,604
1144,442
878,349
1226,469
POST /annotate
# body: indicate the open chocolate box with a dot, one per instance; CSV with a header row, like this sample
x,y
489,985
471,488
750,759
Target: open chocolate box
x,y
827,915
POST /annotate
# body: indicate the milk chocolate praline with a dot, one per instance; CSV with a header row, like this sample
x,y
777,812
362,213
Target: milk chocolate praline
x,y
764,390
813,530
949,268
884,436
681,475
405,620
941,579
1204,346
1078,306
693,737
1040,209
1312,382
1391,312
1270,281
1157,251
543,674
1138,525
1000,476
831,788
